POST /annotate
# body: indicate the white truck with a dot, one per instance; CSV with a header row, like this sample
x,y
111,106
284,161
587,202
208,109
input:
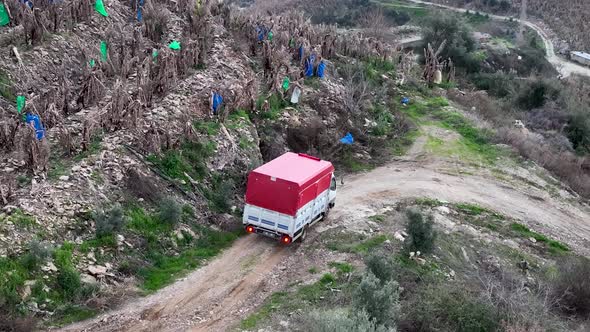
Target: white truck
x,y
287,195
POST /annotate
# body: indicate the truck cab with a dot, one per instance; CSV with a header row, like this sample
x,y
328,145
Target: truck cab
x,y
287,195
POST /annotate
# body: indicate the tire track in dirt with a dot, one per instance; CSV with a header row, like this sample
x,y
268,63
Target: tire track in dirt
x,y
207,295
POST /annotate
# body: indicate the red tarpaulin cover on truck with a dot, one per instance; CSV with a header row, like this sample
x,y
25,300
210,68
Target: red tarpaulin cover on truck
x,y
288,182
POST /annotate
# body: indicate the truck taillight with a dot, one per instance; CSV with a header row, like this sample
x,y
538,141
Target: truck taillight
x,y
250,229
285,239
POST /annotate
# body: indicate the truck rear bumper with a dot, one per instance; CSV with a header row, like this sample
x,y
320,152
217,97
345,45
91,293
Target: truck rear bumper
x,y
266,232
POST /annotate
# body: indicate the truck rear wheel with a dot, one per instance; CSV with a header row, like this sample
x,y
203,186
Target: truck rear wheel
x,y
303,234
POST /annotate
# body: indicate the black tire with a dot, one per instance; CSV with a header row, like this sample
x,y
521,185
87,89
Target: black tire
x,y
303,234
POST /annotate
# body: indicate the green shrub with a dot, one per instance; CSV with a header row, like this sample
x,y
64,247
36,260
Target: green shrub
x,y
572,286
37,254
63,256
190,159
109,221
444,307
578,131
380,266
339,320
497,84
534,94
380,299
170,212
421,235
459,42
69,282
220,194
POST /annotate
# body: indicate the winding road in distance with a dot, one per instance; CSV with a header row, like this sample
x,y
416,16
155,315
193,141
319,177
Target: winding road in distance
x,y
563,66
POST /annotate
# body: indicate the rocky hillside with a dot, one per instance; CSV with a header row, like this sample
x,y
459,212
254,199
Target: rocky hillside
x,y
132,180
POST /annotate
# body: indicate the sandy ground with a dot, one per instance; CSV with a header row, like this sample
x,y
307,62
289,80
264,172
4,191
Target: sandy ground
x,y
220,294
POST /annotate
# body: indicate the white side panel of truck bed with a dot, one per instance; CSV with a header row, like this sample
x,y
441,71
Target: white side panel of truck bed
x,y
283,223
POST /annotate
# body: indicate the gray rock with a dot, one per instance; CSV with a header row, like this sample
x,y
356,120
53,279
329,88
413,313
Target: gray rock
x,y
97,270
64,178
9,209
443,209
88,279
49,267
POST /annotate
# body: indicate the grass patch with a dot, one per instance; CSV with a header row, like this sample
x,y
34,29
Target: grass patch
x,y
20,219
342,267
6,88
351,164
93,148
400,146
57,168
106,241
275,105
471,209
245,144
313,82
427,201
415,12
370,244
553,246
74,313
97,177
379,218
275,301
165,268
238,119
313,270
374,69
190,159
308,296
210,128
474,143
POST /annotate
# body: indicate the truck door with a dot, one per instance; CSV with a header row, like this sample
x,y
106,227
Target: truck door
x,y
332,192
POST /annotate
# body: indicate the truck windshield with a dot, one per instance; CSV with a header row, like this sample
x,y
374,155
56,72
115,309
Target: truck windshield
x,y
333,184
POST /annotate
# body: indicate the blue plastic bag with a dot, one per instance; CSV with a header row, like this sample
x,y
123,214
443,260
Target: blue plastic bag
x,y
29,3
405,100
301,52
348,139
39,130
140,11
217,100
321,69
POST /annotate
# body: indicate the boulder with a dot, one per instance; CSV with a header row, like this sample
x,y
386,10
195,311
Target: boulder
x,y
398,236
88,279
97,270
49,267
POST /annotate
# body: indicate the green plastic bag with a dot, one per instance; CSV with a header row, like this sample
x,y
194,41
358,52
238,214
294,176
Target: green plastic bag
x,y
154,53
174,45
103,51
92,63
4,19
99,6
270,35
20,104
286,83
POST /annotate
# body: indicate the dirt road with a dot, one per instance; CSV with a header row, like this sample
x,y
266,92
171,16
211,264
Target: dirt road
x,y
565,67
221,293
